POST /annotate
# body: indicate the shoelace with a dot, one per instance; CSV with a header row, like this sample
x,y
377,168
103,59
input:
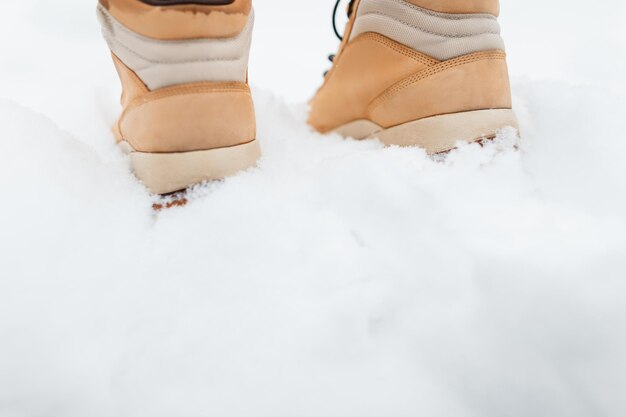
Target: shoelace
x,y
350,10
331,57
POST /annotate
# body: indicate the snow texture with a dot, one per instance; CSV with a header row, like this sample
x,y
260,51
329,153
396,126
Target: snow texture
x,y
339,278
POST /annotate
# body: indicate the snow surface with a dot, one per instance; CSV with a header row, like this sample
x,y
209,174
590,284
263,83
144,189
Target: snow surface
x,y
338,279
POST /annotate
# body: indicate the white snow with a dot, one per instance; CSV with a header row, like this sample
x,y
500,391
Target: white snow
x,y
338,279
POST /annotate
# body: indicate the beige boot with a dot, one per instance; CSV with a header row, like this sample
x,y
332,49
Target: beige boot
x,y
418,72
188,115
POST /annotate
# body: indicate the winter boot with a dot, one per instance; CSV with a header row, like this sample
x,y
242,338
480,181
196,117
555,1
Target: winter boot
x,y
418,72
188,116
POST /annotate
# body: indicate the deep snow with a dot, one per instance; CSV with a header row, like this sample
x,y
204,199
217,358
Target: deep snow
x,y
339,278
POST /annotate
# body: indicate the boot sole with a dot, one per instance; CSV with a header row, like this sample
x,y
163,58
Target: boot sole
x,y
164,173
435,134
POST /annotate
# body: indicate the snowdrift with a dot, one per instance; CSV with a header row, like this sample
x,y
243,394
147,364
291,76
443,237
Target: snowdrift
x,y
337,279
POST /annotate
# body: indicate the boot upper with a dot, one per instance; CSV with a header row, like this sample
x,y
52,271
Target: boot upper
x,y
403,60
184,70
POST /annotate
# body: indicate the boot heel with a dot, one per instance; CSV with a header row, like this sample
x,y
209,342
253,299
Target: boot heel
x,y
441,133
164,173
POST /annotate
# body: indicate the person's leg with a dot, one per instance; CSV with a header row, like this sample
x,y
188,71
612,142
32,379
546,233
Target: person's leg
x,y
188,115
418,72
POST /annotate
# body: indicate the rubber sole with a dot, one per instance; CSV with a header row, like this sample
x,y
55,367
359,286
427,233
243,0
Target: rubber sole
x,y
435,134
164,173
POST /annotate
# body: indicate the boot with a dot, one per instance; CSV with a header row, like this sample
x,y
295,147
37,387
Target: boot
x,y
422,73
188,115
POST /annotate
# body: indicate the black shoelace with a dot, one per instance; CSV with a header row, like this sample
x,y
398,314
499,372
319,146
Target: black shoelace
x,y
350,10
331,58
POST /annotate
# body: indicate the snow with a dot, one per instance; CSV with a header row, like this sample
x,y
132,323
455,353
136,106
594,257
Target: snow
x,y
338,278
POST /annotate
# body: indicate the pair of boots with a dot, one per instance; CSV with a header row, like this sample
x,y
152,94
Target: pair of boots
x,y
422,73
